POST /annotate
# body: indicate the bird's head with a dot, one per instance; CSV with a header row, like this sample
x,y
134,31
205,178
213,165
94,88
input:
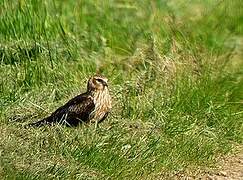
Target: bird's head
x,y
97,82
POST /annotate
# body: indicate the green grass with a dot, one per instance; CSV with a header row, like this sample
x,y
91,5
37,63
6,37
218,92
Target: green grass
x,y
175,72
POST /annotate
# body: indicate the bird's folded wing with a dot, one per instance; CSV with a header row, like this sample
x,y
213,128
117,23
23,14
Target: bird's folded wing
x,y
80,107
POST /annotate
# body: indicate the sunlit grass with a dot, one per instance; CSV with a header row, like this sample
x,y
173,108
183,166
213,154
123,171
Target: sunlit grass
x,y
175,74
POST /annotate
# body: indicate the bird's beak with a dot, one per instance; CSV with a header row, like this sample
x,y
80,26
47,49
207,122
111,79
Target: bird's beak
x,y
105,83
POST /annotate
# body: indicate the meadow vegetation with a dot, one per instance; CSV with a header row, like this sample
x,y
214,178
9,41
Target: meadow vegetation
x,y
175,70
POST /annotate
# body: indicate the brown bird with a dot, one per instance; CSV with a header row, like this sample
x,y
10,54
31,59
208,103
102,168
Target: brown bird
x,y
91,106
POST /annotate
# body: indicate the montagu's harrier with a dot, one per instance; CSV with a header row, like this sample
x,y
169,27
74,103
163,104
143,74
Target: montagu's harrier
x,y
91,106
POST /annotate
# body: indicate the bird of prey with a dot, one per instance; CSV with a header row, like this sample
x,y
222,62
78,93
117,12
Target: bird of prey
x,y
92,106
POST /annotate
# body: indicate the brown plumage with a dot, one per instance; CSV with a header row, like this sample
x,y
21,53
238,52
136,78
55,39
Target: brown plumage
x,y
91,106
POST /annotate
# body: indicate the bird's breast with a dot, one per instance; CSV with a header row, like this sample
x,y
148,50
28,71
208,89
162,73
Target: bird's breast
x,y
102,103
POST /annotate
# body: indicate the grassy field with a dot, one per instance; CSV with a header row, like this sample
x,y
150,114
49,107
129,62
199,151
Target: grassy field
x,y
175,69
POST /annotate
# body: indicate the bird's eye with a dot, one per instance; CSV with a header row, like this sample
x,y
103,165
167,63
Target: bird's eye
x,y
99,80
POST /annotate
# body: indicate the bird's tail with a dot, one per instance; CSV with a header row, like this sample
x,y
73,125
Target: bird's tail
x,y
42,122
